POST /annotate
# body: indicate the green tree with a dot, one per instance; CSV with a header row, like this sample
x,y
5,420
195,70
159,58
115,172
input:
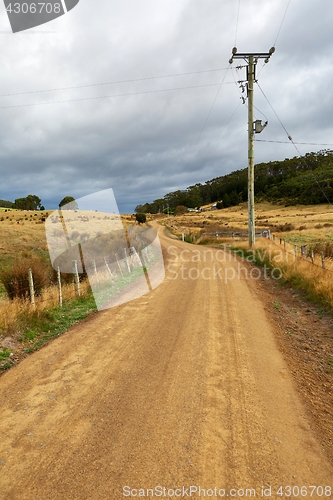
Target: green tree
x,y
226,201
31,202
70,201
141,218
6,204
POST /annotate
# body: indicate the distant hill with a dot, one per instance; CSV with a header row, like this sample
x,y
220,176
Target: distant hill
x,y
301,180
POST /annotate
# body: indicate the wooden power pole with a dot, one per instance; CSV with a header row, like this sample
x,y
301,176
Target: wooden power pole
x,y
251,59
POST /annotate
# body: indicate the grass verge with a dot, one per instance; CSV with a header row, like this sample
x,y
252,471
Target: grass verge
x,y
57,321
28,328
301,274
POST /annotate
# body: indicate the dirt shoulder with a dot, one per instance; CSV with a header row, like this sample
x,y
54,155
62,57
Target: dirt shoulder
x,y
304,333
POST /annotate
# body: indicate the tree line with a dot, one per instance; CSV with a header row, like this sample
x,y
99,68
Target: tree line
x,y
30,202
300,180
33,202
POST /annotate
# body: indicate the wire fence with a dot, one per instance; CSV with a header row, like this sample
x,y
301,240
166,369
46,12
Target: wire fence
x,y
236,234
306,252
106,270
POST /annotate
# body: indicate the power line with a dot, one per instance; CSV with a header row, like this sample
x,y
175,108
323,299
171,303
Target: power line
x,y
114,82
218,138
278,33
306,143
294,144
284,128
240,85
115,95
209,113
237,23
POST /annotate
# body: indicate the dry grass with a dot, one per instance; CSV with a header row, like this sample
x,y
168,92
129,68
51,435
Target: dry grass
x,y
23,236
301,273
16,315
310,225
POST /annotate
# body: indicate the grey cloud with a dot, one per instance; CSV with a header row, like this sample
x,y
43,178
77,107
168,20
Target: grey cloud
x,y
146,145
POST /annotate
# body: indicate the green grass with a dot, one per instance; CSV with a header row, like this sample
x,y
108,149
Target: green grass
x,y
54,323
6,365
112,288
4,354
304,239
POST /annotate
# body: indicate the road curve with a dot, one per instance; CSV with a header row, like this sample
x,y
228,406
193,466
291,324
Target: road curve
x,y
182,387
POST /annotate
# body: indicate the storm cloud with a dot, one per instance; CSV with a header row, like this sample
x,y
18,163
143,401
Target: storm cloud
x,y
139,96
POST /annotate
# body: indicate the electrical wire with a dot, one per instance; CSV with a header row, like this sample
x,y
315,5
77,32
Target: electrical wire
x,y
237,19
218,138
114,82
306,143
278,33
208,115
291,140
245,99
116,95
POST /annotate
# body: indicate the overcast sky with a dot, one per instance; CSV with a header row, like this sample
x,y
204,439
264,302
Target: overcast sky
x,y
146,140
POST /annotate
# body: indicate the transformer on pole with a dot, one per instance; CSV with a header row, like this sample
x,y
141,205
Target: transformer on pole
x,y
253,127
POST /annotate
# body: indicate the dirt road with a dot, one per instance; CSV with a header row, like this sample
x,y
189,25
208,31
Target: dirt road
x,y
182,387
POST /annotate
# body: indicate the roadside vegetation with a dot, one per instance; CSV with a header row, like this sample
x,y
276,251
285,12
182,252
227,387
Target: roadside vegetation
x,y
293,227
25,327
297,271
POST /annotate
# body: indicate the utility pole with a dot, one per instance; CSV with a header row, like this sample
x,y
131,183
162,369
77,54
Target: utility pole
x,y
253,127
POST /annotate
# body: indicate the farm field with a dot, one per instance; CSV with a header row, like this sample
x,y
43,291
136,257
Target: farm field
x,y
302,223
208,380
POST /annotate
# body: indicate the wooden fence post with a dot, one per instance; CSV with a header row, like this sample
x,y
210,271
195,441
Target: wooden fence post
x,y
95,270
116,255
126,261
31,287
322,260
59,286
312,255
76,278
107,266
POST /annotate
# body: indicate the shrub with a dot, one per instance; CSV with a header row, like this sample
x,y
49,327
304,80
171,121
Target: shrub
x,y
181,209
15,279
141,218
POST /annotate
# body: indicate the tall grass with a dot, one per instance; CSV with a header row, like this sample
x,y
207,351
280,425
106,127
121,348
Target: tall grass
x,y
15,278
19,315
297,271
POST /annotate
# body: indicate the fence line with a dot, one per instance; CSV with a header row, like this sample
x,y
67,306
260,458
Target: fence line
x,y
237,234
266,233
302,250
130,260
